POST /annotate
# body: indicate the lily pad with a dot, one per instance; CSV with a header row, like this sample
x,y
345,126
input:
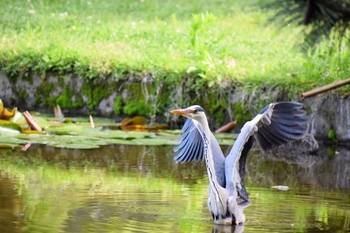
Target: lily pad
x,y
9,126
75,146
153,141
77,133
8,146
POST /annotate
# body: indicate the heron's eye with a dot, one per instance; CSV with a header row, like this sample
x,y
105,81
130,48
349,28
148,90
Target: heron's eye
x,y
194,111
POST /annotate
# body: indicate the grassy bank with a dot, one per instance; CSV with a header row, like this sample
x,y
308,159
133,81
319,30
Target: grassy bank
x,y
167,38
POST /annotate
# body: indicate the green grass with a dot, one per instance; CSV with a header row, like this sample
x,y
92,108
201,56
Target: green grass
x,y
211,40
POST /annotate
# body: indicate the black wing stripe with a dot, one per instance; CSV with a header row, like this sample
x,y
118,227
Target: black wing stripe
x,y
290,115
288,106
264,144
291,121
272,137
288,123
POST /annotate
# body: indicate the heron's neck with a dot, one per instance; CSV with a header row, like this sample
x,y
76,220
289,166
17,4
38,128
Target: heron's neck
x,y
208,153
216,191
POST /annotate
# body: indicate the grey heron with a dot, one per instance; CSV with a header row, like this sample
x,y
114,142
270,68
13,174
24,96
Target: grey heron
x,y
276,124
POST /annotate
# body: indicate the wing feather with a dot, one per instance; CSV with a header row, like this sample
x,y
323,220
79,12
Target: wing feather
x,y
287,122
191,144
276,124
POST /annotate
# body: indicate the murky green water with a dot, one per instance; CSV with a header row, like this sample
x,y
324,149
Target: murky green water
x,y
141,189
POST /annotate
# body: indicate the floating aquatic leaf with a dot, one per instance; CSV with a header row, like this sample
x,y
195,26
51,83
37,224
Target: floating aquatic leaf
x,y
10,138
227,136
111,141
18,118
8,146
77,132
29,131
75,146
9,126
153,141
121,134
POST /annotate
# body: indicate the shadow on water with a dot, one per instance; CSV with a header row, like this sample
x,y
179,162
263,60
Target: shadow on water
x,y
140,189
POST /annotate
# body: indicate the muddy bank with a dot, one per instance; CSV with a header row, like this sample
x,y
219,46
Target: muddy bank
x,y
328,113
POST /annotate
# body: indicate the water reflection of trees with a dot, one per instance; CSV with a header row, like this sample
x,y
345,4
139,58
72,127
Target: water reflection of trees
x,y
10,205
299,170
290,166
297,167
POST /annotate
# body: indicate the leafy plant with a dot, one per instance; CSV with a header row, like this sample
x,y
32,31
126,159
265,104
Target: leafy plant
x,y
332,135
322,16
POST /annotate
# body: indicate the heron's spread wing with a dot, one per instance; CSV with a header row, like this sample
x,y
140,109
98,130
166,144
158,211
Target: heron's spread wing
x,y
242,194
191,145
276,124
279,123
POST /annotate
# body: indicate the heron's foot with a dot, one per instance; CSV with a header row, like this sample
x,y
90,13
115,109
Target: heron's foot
x,y
222,220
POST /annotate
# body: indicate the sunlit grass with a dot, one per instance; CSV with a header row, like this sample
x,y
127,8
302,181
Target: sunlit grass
x,y
213,40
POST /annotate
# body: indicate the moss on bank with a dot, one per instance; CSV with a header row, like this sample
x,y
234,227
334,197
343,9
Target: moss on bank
x,y
154,55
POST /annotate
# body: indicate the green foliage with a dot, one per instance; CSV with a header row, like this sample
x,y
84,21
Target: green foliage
x,y
135,107
331,150
96,92
22,95
118,105
43,94
332,135
67,100
322,17
241,113
201,40
199,21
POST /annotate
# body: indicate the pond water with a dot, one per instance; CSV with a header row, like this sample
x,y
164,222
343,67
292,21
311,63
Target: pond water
x,y
141,189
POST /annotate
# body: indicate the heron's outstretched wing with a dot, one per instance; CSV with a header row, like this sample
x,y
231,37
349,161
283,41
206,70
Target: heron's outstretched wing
x,y
242,194
280,123
191,147
276,124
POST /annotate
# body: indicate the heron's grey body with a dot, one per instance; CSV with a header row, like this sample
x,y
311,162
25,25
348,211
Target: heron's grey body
x,y
276,124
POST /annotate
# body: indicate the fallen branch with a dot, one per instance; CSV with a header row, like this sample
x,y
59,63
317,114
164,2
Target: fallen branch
x,y
325,88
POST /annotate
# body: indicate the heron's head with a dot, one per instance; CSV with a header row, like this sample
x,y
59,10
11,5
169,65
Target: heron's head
x,y
194,112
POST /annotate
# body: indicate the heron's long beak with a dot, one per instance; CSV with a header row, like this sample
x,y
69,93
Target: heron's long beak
x,y
183,112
